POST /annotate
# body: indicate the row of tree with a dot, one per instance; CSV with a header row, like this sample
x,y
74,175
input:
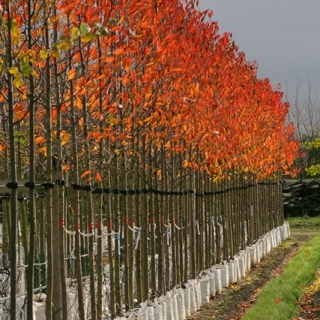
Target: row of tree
x,y
124,95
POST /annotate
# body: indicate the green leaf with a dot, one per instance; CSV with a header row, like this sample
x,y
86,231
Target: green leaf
x,y
112,21
56,53
20,136
75,32
105,32
43,54
13,70
17,82
66,45
84,29
87,37
26,69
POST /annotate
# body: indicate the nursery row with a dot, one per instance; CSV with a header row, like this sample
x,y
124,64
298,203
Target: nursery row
x,y
138,117
152,242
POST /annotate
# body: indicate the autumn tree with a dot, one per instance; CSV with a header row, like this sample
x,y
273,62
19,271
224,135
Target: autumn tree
x,y
146,108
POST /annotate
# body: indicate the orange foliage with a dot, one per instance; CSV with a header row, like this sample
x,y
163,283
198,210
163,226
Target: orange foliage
x,y
166,74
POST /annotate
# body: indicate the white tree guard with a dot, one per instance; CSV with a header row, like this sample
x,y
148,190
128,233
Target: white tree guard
x,y
186,293
181,304
242,264
193,303
197,291
170,314
150,312
205,290
175,305
217,279
225,275
231,270
157,313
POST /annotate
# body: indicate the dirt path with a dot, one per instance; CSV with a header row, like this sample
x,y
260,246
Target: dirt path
x,y
233,302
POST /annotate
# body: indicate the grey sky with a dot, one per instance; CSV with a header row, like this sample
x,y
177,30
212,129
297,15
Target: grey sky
x,y
283,36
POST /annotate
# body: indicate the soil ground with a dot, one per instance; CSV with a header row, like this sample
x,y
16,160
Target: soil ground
x,y
234,301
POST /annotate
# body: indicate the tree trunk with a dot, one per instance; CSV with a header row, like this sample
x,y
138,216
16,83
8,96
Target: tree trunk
x,y
13,186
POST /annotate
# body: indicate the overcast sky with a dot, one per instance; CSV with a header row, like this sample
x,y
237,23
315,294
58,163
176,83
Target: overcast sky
x,y
283,36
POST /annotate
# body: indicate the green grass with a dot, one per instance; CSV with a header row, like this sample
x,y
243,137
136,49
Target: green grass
x,y
304,223
277,301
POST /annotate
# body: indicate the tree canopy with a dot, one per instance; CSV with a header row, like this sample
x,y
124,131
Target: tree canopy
x,y
155,69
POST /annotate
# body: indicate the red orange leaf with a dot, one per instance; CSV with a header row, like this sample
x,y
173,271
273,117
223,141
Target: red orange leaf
x,y
118,51
98,177
85,173
39,140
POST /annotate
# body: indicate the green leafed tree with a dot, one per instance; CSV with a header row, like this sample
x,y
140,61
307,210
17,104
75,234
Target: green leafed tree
x,y
313,149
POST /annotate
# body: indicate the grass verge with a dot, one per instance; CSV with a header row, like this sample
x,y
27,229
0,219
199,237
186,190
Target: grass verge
x,y
277,300
304,224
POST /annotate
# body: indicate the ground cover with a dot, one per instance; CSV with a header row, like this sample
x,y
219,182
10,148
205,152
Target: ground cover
x,y
278,299
235,301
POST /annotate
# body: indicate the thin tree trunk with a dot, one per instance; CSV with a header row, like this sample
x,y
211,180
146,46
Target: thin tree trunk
x,y
59,272
56,290
110,248
76,200
117,247
144,226
30,274
159,230
137,186
165,201
48,126
184,218
151,223
89,199
13,186
59,253
100,201
192,226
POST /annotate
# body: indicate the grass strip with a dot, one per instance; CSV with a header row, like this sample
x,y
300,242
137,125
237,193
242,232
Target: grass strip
x,y
277,300
304,224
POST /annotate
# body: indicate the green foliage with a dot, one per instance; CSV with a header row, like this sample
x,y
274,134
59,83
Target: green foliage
x,y
313,170
313,149
84,29
278,299
313,144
